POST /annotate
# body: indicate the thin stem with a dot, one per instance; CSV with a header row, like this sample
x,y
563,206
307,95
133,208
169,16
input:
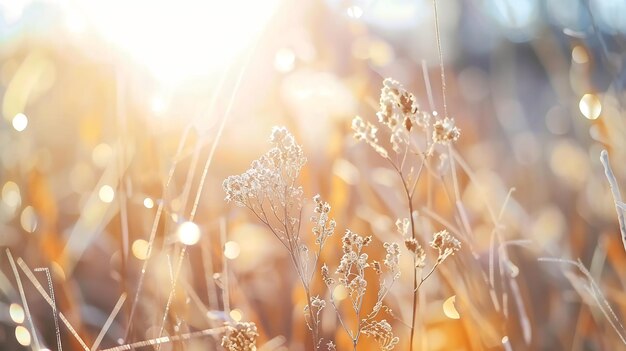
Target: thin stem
x,y
415,286
617,198
443,72
419,171
292,247
332,302
432,270
20,287
409,196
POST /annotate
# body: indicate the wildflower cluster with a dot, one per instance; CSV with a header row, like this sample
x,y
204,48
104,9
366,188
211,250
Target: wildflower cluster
x,y
271,177
328,280
240,337
312,312
411,244
399,113
351,275
366,131
392,258
416,249
446,244
353,263
445,131
323,225
270,190
383,334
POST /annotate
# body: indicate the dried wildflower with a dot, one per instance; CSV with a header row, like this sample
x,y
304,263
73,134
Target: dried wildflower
x,y
445,131
377,267
272,176
396,105
316,307
241,337
326,276
411,244
367,132
383,334
398,110
330,346
399,138
364,130
318,303
446,244
270,190
323,225
392,258
416,249
351,269
403,226
351,272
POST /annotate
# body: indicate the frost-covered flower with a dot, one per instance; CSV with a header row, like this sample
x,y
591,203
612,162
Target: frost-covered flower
x,y
240,337
416,249
392,258
326,276
351,269
398,110
323,225
331,346
272,176
367,132
403,226
446,244
398,107
445,131
382,332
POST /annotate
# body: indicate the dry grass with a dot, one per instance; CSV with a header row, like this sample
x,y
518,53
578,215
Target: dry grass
x,y
472,211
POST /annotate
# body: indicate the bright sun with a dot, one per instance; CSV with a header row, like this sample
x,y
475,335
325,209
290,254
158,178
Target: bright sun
x,y
180,39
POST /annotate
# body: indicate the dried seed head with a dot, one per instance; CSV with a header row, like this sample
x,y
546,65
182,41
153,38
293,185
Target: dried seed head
x,y
416,249
446,244
411,244
326,276
396,104
403,226
377,267
382,332
367,132
241,337
271,176
351,269
445,131
323,225
318,303
392,258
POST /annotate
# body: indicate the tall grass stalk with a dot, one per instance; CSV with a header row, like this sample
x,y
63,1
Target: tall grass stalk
x,y
29,274
617,197
594,291
55,312
196,202
416,285
20,287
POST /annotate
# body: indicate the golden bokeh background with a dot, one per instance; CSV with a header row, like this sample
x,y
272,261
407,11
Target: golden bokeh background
x,y
120,120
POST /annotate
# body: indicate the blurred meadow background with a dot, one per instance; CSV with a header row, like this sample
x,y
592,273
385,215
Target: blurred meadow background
x,y
121,119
